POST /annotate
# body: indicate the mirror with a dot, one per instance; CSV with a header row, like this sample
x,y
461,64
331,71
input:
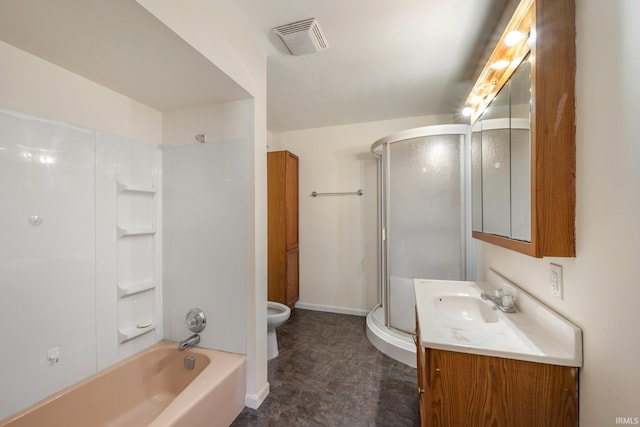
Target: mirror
x,y
476,177
501,153
496,166
520,144
523,151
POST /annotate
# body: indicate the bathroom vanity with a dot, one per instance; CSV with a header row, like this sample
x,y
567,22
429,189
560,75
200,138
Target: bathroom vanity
x,y
459,389
480,366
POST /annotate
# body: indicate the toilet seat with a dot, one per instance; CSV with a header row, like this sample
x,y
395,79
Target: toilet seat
x,y
277,314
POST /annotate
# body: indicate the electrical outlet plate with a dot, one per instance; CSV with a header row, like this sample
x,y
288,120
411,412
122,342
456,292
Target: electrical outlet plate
x,y
53,355
555,280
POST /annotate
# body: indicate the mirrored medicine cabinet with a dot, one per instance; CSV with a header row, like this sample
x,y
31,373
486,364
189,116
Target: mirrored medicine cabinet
x,y
523,134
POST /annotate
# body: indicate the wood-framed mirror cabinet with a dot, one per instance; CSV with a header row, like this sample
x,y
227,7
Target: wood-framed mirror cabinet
x,y
541,32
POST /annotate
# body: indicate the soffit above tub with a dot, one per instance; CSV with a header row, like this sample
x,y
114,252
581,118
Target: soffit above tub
x,y
118,44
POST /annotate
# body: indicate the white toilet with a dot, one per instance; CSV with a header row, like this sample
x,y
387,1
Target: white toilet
x,y
277,314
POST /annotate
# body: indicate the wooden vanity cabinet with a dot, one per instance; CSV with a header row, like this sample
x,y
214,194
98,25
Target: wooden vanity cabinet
x,y
461,389
282,229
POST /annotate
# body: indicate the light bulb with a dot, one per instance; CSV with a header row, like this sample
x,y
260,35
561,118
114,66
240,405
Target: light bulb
x,y
514,37
499,65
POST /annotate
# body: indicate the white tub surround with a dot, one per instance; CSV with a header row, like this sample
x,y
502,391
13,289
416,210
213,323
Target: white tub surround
x,y
80,218
453,316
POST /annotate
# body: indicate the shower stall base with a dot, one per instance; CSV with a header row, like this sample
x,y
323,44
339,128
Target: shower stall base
x,y
394,343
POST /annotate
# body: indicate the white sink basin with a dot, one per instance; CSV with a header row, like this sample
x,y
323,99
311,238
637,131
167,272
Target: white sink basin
x,y
466,308
452,316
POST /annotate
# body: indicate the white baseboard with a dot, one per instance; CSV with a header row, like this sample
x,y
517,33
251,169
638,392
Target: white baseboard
x,y
332,309
254,401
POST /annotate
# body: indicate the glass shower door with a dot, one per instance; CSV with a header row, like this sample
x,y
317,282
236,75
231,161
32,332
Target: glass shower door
x,y
425,218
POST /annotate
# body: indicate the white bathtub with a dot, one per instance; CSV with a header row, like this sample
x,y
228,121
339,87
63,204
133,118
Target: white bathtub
x,y
151,388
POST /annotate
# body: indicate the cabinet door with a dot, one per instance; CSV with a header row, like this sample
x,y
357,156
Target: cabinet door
x,y
473,390
282,202
292,278
291,202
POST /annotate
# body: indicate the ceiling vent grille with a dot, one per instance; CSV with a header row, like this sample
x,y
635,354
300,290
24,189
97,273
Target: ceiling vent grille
x,y
302,37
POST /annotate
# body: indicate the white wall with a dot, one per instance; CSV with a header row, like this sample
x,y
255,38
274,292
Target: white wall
x,y
338,234
601,284
216,34
220,122
32,85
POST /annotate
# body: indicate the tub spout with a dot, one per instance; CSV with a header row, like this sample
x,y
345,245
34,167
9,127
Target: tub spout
x,y
189,342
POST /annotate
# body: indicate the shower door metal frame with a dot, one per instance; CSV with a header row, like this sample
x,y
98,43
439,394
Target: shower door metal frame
x,y
384,207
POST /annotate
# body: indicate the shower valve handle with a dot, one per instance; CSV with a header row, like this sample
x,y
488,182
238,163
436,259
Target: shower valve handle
x,y
196,320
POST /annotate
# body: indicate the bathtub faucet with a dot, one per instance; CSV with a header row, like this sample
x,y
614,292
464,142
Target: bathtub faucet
x,y
189,342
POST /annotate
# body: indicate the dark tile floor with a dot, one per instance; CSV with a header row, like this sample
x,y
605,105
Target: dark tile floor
x,y
329,374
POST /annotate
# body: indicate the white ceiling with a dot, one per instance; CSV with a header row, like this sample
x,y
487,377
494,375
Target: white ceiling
x,y
385,59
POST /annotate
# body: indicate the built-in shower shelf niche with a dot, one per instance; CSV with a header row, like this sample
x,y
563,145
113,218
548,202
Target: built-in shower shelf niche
x,y
125,290
136,188
136,259
130,333
135,231
127,188
136,313
136,210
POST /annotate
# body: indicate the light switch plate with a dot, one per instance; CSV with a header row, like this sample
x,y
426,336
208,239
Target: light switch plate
x,y
555,280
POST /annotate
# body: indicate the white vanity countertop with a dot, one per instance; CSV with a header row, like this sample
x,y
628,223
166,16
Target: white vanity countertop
x,y
452,316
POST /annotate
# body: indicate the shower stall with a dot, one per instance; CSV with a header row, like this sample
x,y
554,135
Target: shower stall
x,y
424,225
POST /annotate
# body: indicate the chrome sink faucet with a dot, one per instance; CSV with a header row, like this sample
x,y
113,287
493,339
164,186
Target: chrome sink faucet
x,y
503,301
189,342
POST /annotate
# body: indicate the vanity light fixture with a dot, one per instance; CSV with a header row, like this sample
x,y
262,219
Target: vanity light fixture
x,y
501,64
467,111
505,59
514,37
532,35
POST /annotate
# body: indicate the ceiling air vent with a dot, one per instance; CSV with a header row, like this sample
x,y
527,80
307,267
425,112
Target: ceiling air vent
x,y
302,37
